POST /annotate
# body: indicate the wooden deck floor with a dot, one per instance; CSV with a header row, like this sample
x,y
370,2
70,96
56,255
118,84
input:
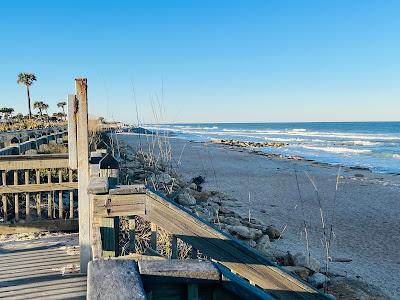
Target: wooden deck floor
x,y
34,270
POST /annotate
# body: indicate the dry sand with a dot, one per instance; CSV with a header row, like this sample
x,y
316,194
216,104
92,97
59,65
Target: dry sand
x,y
366,222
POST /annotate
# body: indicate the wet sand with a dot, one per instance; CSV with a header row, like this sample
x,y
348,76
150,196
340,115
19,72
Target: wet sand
x,y
366,221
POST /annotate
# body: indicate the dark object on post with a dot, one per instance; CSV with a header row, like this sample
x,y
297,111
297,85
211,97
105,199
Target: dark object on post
x,y
109,167
102,146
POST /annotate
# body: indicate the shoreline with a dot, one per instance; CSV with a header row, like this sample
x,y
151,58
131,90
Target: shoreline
x,y
270,182
253,150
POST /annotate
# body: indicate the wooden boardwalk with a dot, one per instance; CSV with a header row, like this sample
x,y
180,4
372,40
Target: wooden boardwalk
x,y
34,270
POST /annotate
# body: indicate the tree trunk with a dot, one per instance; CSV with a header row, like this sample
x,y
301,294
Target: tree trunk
x,y
29,102
65,117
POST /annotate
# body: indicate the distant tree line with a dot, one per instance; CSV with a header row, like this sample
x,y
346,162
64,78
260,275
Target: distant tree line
x,y
27,79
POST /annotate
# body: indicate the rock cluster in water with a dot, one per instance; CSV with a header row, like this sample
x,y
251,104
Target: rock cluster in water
x,y
244,144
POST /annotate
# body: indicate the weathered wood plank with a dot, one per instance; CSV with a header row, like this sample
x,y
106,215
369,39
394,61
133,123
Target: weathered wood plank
x,y
183,271
60,196
85,217
42,225
227,251
38,196
120,211
98,185
27,197
153,237
71,196
72,136
97,248
128,189
125,282
16,202
41,187
34,161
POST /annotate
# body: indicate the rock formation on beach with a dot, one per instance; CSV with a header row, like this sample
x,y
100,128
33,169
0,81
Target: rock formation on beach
x,y
219,209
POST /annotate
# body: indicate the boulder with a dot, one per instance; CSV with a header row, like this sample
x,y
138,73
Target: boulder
x,y
318,280
273,232
231,221
256,225
300,271
244,232
301,259
186,199
192,186
263,244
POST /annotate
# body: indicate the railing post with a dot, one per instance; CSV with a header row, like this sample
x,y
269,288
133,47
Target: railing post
x,y
49,200
132,232
38,196
60,196
71,196
4,196
27,197
16,204
153,238
85,215
174,246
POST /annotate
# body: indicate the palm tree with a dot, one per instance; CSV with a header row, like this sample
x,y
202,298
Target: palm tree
x,y
62,104
27,79
39,105
45,107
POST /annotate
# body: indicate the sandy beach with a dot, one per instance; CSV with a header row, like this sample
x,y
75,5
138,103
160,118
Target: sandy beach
x,y
365,217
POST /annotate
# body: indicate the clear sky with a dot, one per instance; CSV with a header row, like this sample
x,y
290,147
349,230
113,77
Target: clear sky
x,y
208,61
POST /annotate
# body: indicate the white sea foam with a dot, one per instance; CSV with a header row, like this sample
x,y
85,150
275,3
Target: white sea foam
x,y
337,149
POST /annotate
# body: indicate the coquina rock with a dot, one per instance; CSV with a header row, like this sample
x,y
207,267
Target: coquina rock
x,y
273,232
318,280
301,259
231,221
244,232
263,244
186,199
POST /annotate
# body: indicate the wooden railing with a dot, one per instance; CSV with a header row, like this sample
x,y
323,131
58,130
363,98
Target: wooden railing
x,y
32,141
110,203
41,179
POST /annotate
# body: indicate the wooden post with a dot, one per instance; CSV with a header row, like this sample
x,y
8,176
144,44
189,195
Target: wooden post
x,y
71,196
49,200
85,215
16,204
60,196
3,196
132,229
38,196
27,198
72,137
174,246
153,239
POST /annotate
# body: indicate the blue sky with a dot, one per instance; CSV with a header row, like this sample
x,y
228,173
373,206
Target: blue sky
x,y
208,61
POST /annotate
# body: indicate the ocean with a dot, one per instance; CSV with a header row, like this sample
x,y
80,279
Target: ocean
x,y
373,145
